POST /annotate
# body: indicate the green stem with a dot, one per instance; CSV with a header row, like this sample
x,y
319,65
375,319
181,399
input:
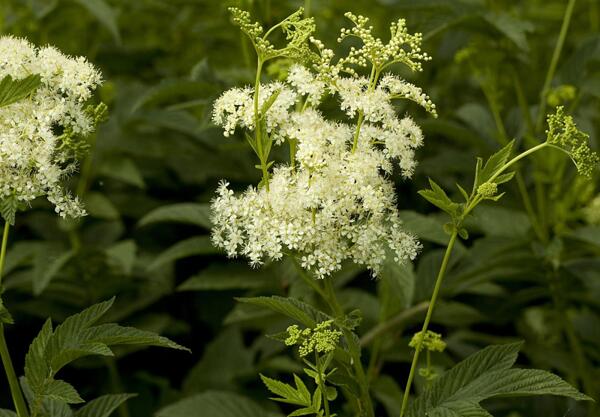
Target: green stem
x,y
13,381
321,384
517,159
258,128
117,386
434,296
503,139
398,320
361,116
3,249
366,405
569,331
307,7
554,63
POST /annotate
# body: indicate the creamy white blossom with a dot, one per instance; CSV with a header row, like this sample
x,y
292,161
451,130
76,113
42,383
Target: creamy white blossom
x,y
235,108
333,204
333,201
37,132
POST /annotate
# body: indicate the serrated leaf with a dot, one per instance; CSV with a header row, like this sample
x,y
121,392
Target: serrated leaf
x,y
290,307
484,375
47,266
122,256
225,277
36,367
12,90
105,14
190,213
5,316
194,246
113,334
494,163
214,404
122,169
100,207
267,104
7,413
438,197
514,29
58,390
288,394
103,406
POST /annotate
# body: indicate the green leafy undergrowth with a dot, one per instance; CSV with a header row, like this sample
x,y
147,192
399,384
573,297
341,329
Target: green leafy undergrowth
x,y
484,375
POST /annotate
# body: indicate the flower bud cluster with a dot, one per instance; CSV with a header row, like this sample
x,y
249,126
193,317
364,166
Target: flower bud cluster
x,y
563,133
321,339
430,341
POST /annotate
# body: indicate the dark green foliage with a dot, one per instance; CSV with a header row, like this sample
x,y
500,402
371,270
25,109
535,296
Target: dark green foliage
x,y
157,160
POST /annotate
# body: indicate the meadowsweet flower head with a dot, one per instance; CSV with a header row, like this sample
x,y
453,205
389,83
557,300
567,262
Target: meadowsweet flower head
x,y
332,201
563,133
42,135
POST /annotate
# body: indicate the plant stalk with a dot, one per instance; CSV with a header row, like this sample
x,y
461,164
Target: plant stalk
x,y
554,63
354,350
434,296
13,381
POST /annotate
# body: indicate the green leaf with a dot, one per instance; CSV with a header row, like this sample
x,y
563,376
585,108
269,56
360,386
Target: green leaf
x,y
194,246
288,394
58,390
100,207
397,286
122,256
225,277
484,375
36,367
493,164
290,307
5,316
113,334
47,266
103,406
7,413
267,104
105,14
191,213
438,197
514,29
424,227
124,170
12,91
214,404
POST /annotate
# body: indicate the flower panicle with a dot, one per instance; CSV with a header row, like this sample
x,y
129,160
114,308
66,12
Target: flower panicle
x,y
563,133
43,134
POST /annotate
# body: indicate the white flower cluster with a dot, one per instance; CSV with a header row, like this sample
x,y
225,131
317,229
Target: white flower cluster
x,y
34,150
335,203
235,108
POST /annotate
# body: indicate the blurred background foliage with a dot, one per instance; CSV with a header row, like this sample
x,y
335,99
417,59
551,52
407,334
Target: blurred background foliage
x,y
158,159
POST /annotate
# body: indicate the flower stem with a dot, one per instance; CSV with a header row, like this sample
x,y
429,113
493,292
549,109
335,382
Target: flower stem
x,y
321,384
13,381
366,405
554,63
434,296
3,248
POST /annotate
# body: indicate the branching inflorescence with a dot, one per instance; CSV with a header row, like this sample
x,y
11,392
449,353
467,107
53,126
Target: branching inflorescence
x,y
41,135
333,200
